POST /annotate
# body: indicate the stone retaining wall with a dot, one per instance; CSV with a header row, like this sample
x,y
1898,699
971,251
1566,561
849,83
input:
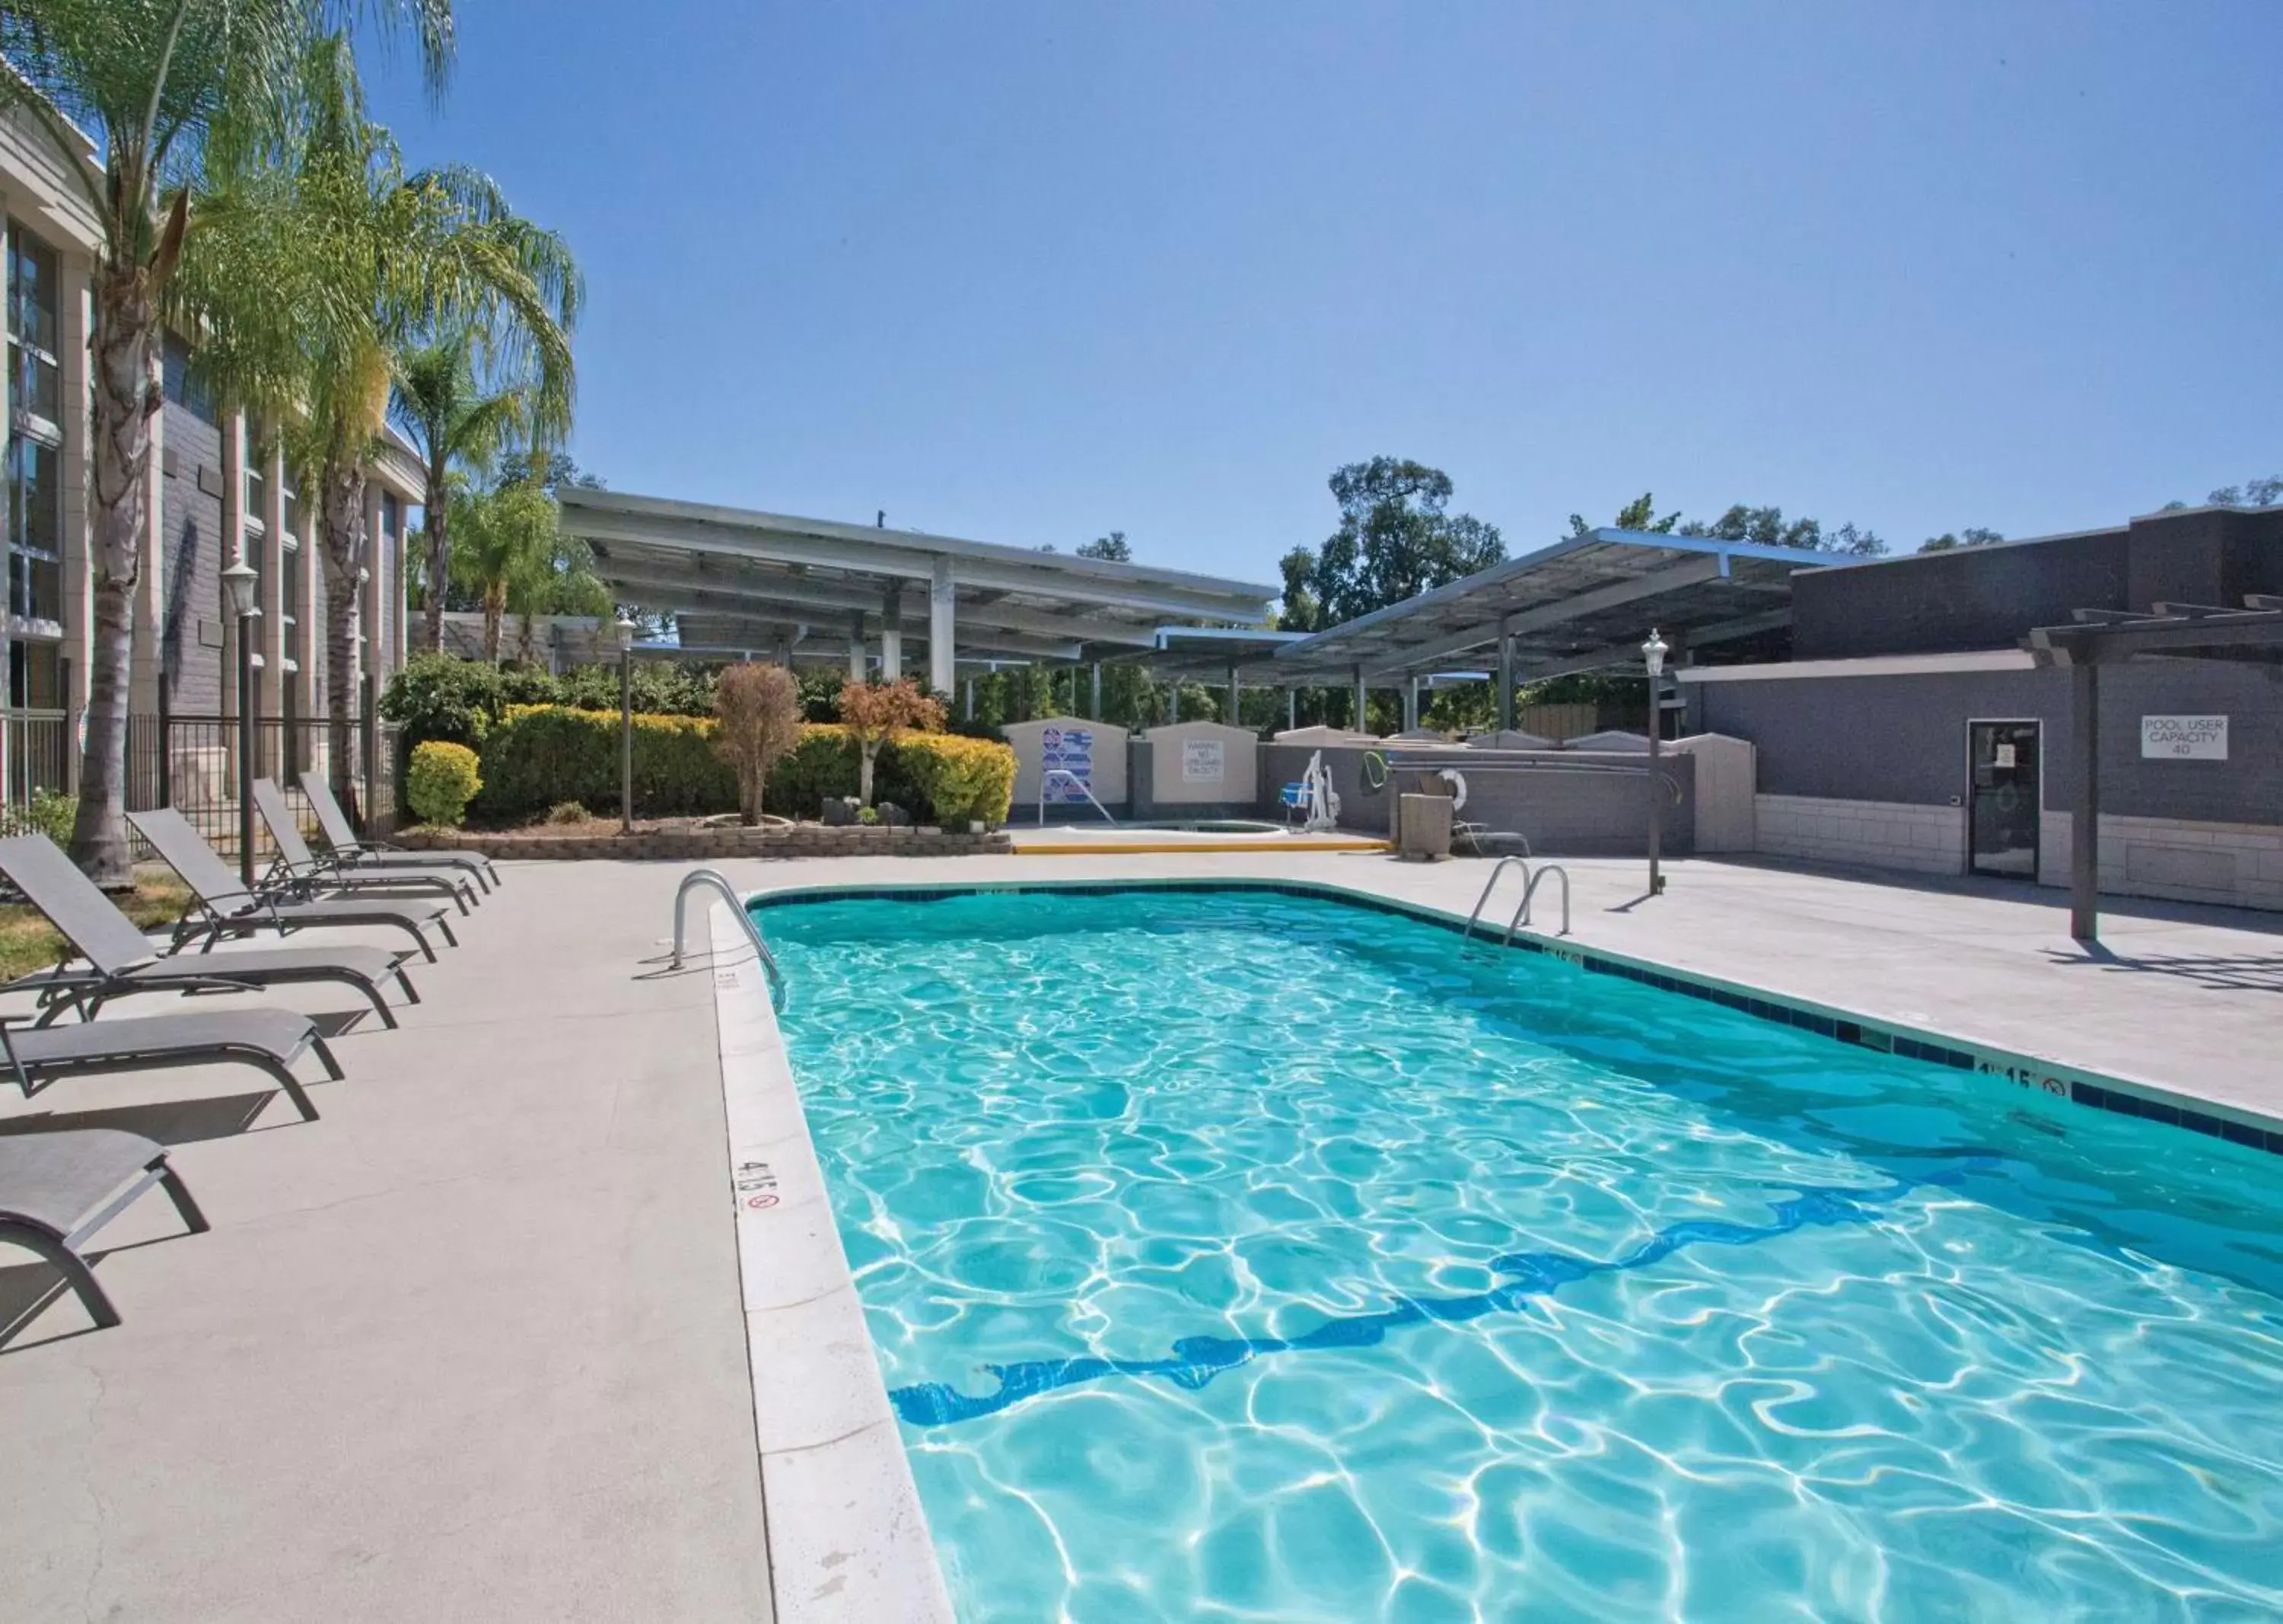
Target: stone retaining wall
x,y
684,844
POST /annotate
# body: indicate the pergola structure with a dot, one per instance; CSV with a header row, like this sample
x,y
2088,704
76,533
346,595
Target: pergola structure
x,y
2097,637
810,588
1580,604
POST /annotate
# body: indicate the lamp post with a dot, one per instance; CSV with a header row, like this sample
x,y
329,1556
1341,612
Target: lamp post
x,y
626,724
1652,654
244,583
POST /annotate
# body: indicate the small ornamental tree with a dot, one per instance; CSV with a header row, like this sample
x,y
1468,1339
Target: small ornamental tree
x,y
875,713
758,709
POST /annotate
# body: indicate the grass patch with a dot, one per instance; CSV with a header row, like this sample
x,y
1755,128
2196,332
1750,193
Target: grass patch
x,y
29,943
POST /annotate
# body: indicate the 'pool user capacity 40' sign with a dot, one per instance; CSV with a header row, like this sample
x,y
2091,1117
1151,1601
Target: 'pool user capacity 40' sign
x,y
2183,738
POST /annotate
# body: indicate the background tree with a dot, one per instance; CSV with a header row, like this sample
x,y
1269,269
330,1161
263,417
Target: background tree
x,y
876,713
1972,537
153,81
1765,527
457,420
2253,493
1111,547
758,709
1395,540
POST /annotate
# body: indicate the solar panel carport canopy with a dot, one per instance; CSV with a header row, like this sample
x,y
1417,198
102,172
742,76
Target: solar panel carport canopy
x,y
812,588
1577,606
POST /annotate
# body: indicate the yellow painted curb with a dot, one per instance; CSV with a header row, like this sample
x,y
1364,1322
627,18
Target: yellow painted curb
x,y
1104,849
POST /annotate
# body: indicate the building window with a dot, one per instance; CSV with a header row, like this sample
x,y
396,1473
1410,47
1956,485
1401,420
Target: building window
x,y
289,576
36,676
35,380
36,499
34,458
183,386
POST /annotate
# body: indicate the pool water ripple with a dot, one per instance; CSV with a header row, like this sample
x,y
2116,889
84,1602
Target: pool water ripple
x,y
1249,1258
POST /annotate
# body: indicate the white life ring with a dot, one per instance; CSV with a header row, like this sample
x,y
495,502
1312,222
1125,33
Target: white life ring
x,y
1457,780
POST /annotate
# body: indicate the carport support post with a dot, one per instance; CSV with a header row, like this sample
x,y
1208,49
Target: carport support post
x,y
1505,677
856,646
1095,709
1232,694
891,634
941,673
1411,704
1358,699
1291,708
971,699
2085,818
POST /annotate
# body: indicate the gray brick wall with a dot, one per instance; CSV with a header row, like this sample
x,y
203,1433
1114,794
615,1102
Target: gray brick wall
x,y
190,587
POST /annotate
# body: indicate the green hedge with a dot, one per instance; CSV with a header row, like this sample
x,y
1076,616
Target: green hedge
x,y
538,756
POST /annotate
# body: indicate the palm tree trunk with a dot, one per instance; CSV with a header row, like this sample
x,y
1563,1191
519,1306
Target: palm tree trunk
x,y
436,506
494,610
341,521
126,394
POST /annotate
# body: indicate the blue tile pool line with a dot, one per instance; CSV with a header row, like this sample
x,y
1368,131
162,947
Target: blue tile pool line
x,y
2105,1095
1197,1360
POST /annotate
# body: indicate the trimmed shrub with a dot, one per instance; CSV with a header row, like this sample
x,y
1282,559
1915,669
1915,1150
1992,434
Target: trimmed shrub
x,y
566,812
757,722
441,782
443,697
961,778
52,813
541,754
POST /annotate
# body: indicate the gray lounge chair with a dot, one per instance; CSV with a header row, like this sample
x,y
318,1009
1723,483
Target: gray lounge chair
x,y
347,850
226,908
270,1040
298,868
57,1189
122,961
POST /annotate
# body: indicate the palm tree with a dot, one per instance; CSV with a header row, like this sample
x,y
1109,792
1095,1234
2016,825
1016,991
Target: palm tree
x,y
374,257
155,81
457,420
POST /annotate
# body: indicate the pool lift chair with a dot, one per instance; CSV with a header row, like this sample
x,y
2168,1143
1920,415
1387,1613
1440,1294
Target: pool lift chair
x,y
1314,798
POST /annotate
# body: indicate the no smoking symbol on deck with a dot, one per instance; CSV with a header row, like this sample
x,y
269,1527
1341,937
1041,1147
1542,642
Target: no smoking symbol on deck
x,y
757,1185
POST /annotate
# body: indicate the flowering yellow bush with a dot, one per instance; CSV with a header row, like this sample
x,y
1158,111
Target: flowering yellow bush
x,y
441,782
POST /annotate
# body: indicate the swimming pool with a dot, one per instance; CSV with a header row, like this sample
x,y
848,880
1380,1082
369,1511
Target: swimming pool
x,y
1250,1256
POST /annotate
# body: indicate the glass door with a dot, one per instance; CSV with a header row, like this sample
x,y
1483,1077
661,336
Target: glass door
x,y
2002,800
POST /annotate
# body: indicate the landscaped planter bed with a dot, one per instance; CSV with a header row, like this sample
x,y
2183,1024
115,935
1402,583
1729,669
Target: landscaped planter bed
x,y
683,842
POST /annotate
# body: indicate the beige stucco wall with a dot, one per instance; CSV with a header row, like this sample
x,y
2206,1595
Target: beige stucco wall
x,y
1203,763
1107,771
1727,779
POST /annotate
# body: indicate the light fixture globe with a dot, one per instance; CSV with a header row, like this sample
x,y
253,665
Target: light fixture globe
x,y
1652,654
626,631
244,583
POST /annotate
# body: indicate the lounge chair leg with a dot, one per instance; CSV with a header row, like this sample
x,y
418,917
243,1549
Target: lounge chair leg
x,y
379,1004
444,925
292,1084
411,992
179,1193
325,1054
421,936
71,1266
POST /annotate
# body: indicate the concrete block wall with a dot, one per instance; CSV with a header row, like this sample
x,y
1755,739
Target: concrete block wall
x,y
1881,833
2238,865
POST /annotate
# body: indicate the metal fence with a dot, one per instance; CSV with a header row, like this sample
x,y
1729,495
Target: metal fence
x,y
190,762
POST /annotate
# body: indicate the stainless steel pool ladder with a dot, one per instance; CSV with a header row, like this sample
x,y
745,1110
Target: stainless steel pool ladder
x,y
1529,884
1084,788
713,880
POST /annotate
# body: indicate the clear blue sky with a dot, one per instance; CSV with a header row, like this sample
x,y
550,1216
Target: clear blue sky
x,y
1028,272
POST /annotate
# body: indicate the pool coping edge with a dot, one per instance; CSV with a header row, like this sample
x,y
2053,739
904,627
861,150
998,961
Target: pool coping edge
x,y
845,1533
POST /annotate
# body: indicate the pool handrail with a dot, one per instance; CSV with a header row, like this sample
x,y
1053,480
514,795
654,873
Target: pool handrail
x,y
1522,914
713,879
1491,884
1084,788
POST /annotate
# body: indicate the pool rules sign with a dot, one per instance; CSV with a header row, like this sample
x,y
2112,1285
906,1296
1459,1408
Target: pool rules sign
x,y
2183,738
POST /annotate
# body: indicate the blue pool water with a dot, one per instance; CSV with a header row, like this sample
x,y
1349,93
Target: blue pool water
x,y
1251,1257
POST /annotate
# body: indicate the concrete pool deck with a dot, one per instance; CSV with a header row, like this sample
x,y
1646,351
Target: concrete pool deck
x,y
472,1345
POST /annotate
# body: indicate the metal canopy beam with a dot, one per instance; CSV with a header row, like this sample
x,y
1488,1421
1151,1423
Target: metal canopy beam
x,y
853,550
715,589
1614,595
